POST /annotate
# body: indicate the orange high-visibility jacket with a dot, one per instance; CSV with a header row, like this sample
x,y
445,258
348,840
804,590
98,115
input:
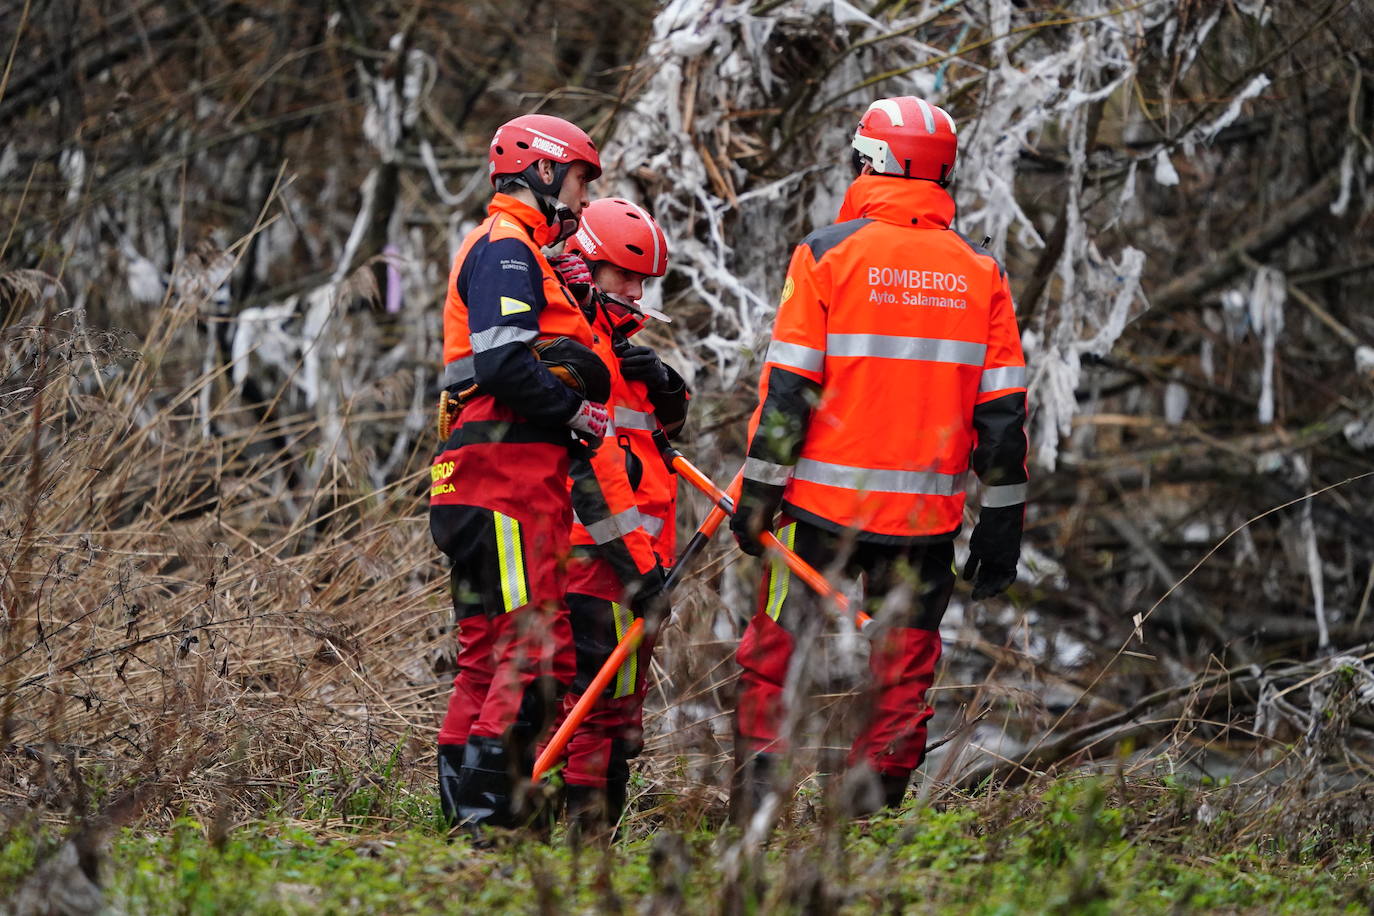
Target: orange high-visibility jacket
x,y
502,297
895,365
625,497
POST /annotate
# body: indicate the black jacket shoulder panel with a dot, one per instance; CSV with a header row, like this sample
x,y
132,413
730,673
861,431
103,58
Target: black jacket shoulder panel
x,y
822,240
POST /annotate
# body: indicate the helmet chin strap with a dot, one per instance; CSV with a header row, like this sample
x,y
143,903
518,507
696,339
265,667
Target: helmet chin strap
x,y
627,325
558,214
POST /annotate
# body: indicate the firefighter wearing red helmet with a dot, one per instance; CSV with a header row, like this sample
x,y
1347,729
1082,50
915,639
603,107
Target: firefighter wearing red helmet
x,y
895,365
530,391
625,500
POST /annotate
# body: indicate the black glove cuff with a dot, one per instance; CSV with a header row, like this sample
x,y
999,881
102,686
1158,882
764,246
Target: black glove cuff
x,y
759,499
997,536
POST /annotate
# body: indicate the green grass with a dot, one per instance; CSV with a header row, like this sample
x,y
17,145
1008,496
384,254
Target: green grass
x,y
1074,846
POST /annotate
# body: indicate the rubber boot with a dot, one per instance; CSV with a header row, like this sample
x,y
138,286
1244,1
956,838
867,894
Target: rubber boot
x,y
894,788
864,791
586,813
450,765
752,783
484,785
617,787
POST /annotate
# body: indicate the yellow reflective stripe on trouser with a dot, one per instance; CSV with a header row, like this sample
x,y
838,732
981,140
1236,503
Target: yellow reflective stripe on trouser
x,y
779,576
629,669
511,554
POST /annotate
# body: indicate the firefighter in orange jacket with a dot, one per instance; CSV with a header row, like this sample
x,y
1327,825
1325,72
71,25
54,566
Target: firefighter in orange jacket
x,y
499,502
895,366
624,498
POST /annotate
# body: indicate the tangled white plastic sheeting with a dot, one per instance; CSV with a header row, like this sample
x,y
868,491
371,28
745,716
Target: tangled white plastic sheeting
x,y
732,254
293,336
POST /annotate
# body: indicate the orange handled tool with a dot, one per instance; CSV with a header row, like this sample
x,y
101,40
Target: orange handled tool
x,y
804,570
629,642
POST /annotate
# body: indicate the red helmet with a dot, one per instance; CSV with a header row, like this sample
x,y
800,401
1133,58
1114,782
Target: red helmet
x,y
523,141
907,137
614,229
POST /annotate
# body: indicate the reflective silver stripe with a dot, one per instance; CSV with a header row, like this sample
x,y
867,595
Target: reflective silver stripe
x,y
1006,377
651,524
766,471
795,356
625,418
879,480
613,527
1012,494
460,370
930,349
501,335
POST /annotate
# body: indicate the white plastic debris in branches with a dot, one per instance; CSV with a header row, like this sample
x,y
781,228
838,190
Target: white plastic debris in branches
x,y
147,284
1165,173
71,163
1342,201
1175,402
1267,296
393,105
1312,555
1227,117
676,145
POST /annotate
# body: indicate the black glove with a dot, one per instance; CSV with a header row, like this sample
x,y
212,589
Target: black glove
x,y
648,598
643,365
577,366
758,503
994,549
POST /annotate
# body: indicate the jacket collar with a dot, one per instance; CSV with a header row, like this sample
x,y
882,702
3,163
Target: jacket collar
x,y
527,216
901,201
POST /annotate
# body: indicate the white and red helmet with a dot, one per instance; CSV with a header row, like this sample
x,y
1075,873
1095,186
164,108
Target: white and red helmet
x,y
523,141
907,137
616,230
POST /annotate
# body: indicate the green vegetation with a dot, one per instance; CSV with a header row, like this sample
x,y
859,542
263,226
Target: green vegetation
x,y
1074,845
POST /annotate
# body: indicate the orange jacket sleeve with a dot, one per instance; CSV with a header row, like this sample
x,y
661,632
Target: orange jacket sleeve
x,y
606,506
793,371
999,414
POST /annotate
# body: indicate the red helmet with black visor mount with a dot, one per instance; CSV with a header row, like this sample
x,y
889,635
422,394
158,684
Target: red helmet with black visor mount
x,y
906,137
518,147
621,233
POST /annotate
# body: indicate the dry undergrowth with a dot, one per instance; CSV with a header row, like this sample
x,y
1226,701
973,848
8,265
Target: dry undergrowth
x,y
212,613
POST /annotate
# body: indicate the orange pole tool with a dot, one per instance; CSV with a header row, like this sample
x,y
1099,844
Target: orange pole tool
x,y
804,570
629,642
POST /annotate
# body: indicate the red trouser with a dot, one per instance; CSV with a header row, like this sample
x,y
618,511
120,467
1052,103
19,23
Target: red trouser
x,y
514,639
902,662
613,731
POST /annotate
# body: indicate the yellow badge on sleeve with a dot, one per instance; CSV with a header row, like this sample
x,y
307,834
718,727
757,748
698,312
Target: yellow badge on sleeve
x,y
787,289
511,306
